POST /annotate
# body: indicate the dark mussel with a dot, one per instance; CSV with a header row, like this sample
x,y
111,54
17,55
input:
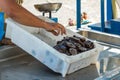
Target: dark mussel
x,y
70,45
89,44
73,45
73,51
80,38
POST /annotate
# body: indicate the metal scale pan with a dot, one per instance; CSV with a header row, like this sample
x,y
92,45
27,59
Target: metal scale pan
x,y
48,8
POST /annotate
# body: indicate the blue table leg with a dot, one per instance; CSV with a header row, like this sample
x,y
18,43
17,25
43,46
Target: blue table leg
x,y
102,16
78,5
109,10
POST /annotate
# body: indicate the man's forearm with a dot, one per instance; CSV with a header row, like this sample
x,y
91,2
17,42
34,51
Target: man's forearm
x,y
21,15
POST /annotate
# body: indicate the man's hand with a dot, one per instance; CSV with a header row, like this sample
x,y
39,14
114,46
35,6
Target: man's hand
x,y
56,28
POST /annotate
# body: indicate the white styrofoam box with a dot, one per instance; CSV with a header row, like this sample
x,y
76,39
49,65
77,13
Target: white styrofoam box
x,y
40,45
9,29
30,29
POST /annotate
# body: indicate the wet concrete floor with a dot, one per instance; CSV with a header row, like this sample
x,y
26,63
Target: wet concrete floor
x,y
28,68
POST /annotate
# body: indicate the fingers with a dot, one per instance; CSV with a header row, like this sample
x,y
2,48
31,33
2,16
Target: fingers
x,y
59,27
63,31
55,33
56,29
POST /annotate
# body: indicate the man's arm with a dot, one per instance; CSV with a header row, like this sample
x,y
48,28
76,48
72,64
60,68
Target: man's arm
x,y
21,15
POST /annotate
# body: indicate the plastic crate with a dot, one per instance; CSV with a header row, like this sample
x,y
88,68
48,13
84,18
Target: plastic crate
x,y
40,45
